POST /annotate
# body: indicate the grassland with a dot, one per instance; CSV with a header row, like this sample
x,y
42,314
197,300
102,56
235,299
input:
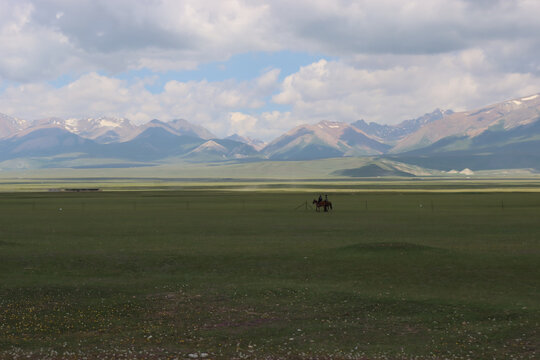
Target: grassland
x,y
254,274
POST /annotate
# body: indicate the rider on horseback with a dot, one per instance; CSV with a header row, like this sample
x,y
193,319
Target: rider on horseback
x,y
326,202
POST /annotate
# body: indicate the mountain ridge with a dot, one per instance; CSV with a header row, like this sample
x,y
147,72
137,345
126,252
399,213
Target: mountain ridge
x,y
391,133
496,134
317,141
505,115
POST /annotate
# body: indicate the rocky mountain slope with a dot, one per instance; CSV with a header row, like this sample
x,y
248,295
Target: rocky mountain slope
x,y
254,143
322,140
10,126
392,133
470,124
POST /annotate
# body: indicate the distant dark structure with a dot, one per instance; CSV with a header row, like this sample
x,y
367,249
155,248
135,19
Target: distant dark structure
x,y
83,190
76,190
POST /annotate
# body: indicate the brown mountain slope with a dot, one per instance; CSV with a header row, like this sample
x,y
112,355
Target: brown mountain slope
x,y
505,115
322,140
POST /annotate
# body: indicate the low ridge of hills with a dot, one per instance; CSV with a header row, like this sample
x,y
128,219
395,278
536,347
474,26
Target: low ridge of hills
x,y
500,136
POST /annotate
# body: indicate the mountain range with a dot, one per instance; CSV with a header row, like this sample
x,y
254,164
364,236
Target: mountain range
x,y
393,133
499,136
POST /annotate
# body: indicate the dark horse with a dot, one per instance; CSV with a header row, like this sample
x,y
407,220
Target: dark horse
x,y
322,204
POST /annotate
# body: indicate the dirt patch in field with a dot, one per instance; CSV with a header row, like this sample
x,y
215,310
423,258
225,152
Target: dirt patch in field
x,y
206,312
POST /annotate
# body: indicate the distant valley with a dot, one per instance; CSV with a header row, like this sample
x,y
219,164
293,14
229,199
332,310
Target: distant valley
x,y
499,136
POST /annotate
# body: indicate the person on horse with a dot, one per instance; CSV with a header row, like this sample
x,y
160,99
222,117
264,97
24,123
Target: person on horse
x,y
325,202
320,198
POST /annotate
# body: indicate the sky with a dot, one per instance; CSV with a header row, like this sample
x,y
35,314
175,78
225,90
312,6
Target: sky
x,y
259,68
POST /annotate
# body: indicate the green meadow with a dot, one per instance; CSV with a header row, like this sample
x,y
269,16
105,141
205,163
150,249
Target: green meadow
x,y
259,274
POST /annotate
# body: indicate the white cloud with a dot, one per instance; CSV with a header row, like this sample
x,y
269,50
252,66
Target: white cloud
x,y
41,40
29,52
89,95
215,105
241,124
335,90
324,90
60,36
268,81
389,59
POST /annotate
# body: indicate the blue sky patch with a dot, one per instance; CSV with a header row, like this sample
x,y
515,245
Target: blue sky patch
x,y
241,67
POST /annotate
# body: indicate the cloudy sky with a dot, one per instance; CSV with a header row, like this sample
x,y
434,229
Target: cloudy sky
x,y
258,68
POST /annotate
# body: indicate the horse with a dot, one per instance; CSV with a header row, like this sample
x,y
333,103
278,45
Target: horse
x,y
322,204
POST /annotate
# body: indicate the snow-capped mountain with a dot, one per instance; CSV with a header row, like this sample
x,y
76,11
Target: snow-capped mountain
x,y
503,135
11,125
103,130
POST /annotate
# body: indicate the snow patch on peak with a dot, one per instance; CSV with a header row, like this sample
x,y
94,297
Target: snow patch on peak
x,y
108,123
71,124
529,97
19,122
13,120
517,102
330,124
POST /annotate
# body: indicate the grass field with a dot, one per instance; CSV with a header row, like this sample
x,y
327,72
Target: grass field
x,y
256,275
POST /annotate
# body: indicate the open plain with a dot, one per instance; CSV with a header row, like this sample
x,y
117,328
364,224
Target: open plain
x,y
209,273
